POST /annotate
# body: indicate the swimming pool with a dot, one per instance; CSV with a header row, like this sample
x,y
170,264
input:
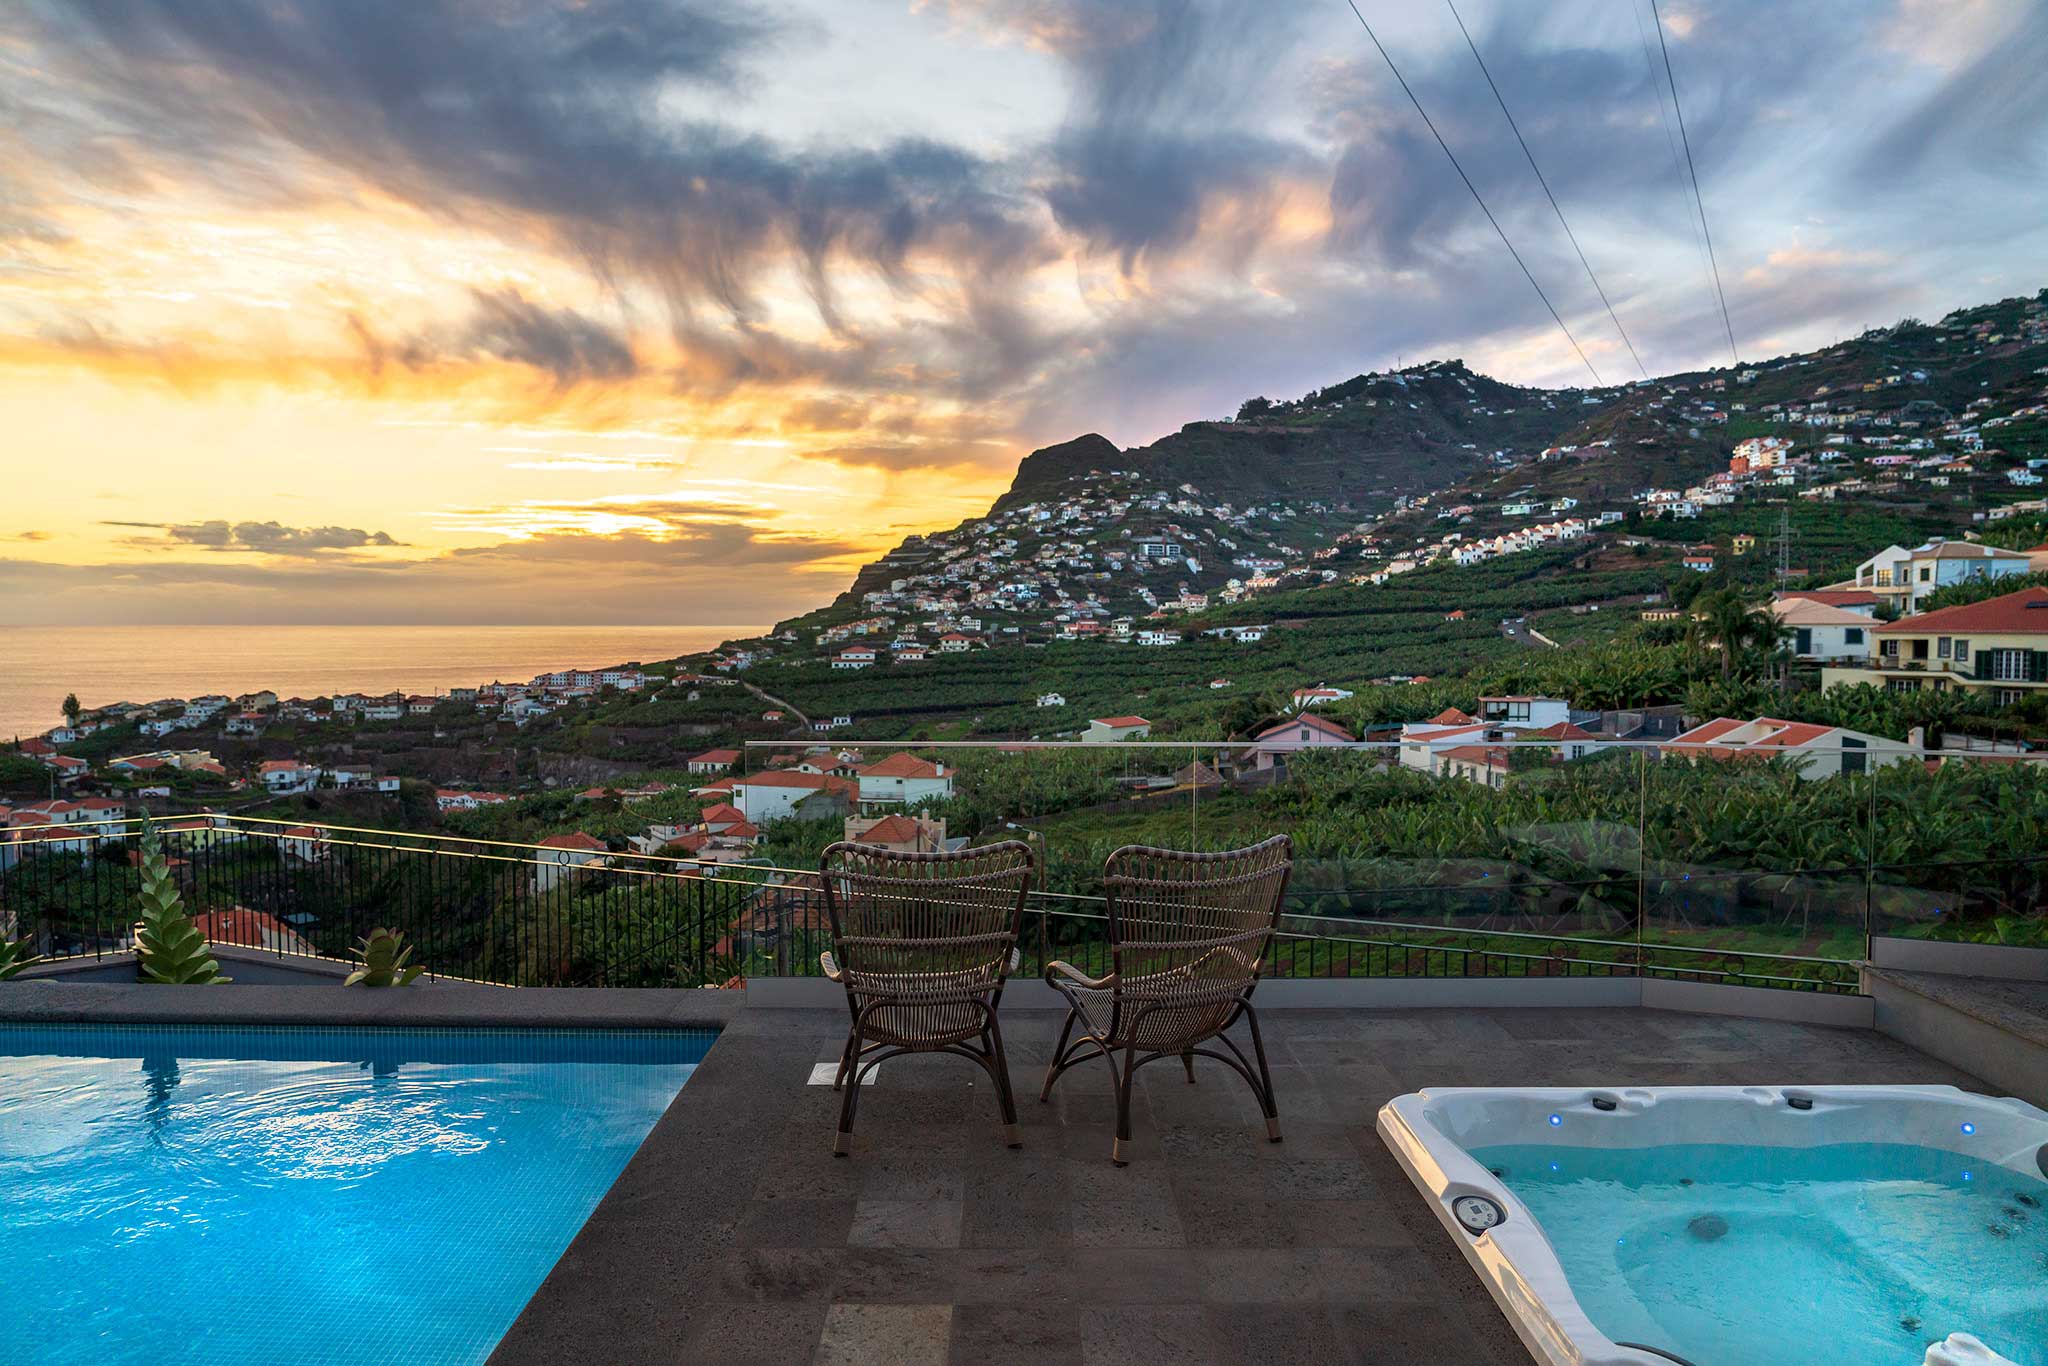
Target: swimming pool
x,y
233,1195
1742,1226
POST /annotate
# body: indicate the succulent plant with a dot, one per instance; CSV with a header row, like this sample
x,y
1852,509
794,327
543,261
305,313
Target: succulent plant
x,y
15,957
384,954
168,947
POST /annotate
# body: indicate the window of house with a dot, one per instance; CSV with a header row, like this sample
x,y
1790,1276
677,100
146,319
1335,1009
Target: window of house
x,y
1962,650
1889,649
2007,697
1926,574
1902,684
2009,665
1852,635
1941,647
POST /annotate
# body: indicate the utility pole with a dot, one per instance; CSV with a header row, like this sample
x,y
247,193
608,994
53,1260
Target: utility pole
x,y
1784,544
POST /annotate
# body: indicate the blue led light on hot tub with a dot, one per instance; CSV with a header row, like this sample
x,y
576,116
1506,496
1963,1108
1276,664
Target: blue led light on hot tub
x,y
1966,1176
1556,1120
1969,1128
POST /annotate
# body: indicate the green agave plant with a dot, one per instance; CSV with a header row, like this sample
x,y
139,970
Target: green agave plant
x,y
168,947
384,955
15,957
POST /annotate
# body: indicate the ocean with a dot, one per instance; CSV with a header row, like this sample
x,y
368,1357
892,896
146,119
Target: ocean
x,y
104,664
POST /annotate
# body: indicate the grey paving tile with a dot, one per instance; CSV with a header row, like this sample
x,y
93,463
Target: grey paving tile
x,y
1042,1333
1146,1335
906,1223
895,1275
736,1335
885,1335
795,1223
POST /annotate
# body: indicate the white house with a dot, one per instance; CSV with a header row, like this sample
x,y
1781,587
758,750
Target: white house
x,y
1307,731
778,794
1820,631
283,776
1819,751
558,855
1524,712
854,657
903,779
1104,730
1051,699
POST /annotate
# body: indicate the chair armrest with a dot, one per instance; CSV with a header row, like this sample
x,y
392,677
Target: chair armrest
x,y
1062,969
831,967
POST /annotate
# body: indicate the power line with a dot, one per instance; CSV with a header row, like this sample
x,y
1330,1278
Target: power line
x,y
1692,222
1573,237
1597,381
1693,171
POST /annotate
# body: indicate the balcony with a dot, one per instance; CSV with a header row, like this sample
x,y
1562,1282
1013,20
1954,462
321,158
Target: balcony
x,y
1631,919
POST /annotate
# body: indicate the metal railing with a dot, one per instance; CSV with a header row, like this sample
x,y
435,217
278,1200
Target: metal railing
x,y
1621,881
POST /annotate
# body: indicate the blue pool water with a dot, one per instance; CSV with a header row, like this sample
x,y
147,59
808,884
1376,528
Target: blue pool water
x,y
233,1196
1854,1254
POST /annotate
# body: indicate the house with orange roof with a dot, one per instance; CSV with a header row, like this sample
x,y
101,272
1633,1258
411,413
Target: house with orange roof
x,y
901,833
1107,730
903,779
560,855
249,929
305,844
713,761
1305,698
1818,751
781,793
1996,648
1271,747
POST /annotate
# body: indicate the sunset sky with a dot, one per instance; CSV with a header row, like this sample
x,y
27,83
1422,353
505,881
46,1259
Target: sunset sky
x,y
675,311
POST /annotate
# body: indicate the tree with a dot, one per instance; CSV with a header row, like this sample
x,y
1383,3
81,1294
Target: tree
x,y
1737,621
71,709
1254,407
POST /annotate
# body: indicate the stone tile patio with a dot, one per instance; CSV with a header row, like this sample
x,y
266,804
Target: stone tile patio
x,y
735,1237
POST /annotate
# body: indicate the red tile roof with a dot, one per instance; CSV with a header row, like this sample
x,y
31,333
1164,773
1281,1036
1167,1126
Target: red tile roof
x,y
574,840
1451,716
901,764
1493,756
2021,613
1312,722
892,830
1121,721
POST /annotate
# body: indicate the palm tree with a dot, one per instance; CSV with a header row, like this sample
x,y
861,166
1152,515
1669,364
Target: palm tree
x,y
71,709
1735,620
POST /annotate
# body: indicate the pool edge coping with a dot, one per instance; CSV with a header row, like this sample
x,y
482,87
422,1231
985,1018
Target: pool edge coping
x,y
53,1002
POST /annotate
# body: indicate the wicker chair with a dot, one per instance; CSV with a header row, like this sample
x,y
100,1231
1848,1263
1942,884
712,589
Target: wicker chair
x,y
1187,933
923,944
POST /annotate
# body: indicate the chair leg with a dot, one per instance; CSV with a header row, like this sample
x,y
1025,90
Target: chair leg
x,y
843,1143
1012,1137
1119,1145
845,1061
1266,1100
1059,1057
1187,1060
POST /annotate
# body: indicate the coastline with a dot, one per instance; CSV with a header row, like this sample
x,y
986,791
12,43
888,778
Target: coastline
x,y
108,664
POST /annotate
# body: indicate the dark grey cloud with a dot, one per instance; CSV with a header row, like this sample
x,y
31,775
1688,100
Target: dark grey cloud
x,y
1165,89
569,346
265,538
548,113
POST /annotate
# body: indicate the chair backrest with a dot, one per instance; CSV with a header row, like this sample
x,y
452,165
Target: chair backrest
x,y
948,918
1194,921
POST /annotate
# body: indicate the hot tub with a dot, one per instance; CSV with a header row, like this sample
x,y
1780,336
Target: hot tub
x,y
1743,1226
